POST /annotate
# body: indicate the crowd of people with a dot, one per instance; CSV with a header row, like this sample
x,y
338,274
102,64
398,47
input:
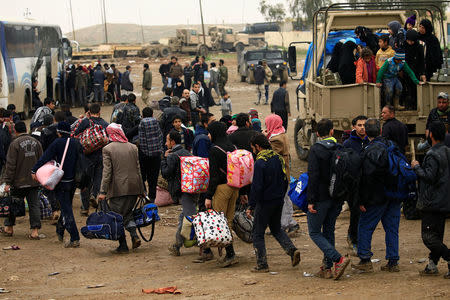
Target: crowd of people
x,y
140,148
397,61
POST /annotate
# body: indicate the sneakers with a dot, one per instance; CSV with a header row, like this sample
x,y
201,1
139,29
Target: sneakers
x,y
121,250
136,243
390,268
174,250
60,237
227,261
447,275
204,258
365,267
295,258
74,244
294,228
260,269
340,266
429,272
324,273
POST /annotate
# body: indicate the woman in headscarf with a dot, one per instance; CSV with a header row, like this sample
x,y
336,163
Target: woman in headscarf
x,y
433,52
396,35
333,64
416,61
220,196
347,68
367,36
121,181
276,134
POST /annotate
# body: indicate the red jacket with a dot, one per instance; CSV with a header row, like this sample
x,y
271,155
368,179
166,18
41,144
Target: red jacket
x,y
362,74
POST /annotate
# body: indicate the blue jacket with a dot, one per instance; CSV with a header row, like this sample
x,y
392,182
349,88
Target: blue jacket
x,y
202,143
55,152
269,183
355,142
99,77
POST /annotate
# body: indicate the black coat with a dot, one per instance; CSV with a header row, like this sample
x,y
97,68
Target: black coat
x,y
241,138
347,68
167,118
434,178
218,165
397,132
433,57
319,171
259,73
367,36
415,58
170,170
333,64
375,173
355,142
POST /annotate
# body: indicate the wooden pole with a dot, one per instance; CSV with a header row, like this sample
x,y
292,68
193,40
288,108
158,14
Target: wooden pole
x,y
203,25
71,17
413,151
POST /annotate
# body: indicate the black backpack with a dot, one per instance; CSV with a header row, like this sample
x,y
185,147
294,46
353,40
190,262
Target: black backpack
x,y
345,173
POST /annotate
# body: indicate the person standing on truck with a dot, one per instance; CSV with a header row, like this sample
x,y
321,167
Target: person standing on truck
x,y
347,68
223,77
433,51
416,61
388,78
367,36
366,70
385,52
147,84
259,74
280,103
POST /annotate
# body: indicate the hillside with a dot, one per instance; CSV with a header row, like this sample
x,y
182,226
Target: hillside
x,y
130,33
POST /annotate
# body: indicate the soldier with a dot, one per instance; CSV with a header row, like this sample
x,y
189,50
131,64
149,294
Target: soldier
x,y
146,84
267,79
223,77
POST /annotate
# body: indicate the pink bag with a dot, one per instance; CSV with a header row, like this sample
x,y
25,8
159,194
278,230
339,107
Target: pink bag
x,y
240,166
162,197
50,174
194,174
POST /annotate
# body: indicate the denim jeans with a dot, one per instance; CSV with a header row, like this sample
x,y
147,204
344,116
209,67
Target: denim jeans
x,y
269,215
189,205
389,214
165,81
64,193
321,226
96,170
31,194
99,92
392,89
150,166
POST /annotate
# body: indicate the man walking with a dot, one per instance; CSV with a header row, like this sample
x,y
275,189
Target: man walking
x,y
267,79
99,79
375,206
259,74
164,69
146,85
280,103
223,77
269,186
322,209
434,197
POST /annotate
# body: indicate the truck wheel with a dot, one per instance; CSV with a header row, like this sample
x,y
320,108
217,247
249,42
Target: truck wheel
x,y
203,50
152,53
239,47
164,52
243,78
300,140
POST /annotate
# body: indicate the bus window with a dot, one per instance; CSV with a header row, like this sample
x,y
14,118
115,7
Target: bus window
x,y
20,41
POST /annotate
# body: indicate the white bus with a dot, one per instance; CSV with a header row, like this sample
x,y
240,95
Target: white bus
x,y
31,52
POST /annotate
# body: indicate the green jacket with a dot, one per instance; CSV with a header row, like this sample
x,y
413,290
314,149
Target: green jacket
x,y
390,70
223,74
147,81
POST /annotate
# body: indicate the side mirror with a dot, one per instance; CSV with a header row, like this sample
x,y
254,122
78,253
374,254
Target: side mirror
x,y
292,57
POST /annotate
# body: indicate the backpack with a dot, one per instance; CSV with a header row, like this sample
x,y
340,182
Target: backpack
x,y
297,191
93,138
242,225
194,174
240,165
115,115
400,172
103,224
345,174
145,215
409,204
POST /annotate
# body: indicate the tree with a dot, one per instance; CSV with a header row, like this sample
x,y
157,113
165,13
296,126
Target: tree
x,y
272,12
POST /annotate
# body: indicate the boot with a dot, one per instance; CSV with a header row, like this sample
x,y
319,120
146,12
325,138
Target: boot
x,y
397,104
136,241
230,257
123,247
261,262
295,257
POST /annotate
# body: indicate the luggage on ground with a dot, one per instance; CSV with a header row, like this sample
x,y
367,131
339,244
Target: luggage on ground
x,y
243,225
145,215
163,197
194,174
104,224
211,229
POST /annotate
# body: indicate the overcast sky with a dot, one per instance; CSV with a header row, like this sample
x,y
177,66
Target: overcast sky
x,y
152,12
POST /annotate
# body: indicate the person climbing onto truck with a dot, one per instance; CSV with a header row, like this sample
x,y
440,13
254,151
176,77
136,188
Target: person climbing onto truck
x,y
388,78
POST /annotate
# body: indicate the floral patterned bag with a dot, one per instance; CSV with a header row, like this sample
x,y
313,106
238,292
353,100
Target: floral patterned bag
x,y
194,174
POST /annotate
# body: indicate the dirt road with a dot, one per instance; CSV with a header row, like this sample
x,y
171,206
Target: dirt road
x,y
25,273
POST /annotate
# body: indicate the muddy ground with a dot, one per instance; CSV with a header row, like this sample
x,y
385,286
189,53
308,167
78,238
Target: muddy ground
x,y
25,273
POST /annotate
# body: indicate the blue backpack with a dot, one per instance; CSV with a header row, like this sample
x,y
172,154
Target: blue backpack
x,y
297,191
401,172
145,215
103,224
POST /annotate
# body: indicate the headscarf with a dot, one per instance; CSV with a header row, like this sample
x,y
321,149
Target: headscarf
x,y
394,26
428,27
256,124
253,113
412,35
274,125
116,133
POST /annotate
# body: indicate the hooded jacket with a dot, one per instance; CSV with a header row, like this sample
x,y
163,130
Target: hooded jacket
x,y
433,52
202,143
397,40
355,142
434,178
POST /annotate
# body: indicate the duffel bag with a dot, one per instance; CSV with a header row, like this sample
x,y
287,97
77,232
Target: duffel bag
x,y
162,197
44,205
188,232
243,225
103,224
211,229
145,215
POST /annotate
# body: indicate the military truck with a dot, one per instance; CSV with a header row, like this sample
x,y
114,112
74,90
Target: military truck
x,y
224,39
341,103
189,40
116,51
249,58
256,32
